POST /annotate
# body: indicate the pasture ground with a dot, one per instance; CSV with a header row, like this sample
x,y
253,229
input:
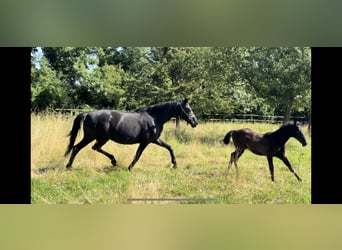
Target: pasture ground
x,y
201,176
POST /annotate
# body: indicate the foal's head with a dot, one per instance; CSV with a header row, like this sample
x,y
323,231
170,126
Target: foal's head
x,y
296,131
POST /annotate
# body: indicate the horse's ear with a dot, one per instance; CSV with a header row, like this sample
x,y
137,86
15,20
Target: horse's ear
x,y
295,121
185,101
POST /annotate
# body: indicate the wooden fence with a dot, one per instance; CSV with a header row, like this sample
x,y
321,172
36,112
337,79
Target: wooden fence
x,y
212,117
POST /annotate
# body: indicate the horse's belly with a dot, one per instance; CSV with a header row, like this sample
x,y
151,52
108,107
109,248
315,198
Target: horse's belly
x,y
131,130
258,152
258,149
125,138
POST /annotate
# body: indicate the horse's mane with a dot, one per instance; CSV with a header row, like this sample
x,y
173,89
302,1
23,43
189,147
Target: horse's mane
x,y
156,107
290,123
286,124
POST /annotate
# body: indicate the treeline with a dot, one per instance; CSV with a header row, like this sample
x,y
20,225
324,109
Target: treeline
x,y
218,80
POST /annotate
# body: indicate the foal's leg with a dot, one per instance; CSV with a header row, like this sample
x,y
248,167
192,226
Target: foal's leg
x,y
282,157
97,146
238,153
140,149
168,147
232,156
85,141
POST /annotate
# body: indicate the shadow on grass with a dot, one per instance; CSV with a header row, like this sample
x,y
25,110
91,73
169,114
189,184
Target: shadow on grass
x,y
110,169
59,168
47,169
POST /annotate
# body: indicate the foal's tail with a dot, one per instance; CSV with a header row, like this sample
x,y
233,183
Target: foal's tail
x,y
74,131
227,137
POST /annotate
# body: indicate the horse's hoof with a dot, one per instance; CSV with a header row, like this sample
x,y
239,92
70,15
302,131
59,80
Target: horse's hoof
x,y
113,162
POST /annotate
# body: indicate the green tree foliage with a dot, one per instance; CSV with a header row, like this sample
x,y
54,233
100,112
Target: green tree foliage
x,y
218,80
70,63
281,76
101,87
177,71
47,91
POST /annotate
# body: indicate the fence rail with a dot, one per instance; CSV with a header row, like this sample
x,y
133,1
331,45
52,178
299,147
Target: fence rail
x,y
252,118
211,117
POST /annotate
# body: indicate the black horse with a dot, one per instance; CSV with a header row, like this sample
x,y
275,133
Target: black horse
x,y
271,144
143,126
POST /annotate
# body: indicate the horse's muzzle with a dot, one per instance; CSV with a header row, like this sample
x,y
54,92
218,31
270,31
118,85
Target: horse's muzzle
x,y
193,122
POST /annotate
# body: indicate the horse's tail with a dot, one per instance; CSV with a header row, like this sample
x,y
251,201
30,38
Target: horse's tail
x,y
227,137
74,131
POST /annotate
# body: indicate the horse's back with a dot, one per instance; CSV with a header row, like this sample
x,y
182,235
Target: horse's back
x,y
97,122
134,127
105,116
246,134
122,127
247,138
260,144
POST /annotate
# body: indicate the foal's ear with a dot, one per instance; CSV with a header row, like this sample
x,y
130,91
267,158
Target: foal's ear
x,y
185,101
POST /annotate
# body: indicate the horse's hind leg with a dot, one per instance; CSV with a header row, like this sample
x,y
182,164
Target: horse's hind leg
x,y
97,147
140,149
85,141
238,153
232,158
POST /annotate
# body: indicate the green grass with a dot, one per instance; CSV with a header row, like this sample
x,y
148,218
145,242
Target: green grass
x,y
201,176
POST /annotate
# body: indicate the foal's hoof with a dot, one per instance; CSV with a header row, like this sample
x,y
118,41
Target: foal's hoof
x,y
175,166
113,162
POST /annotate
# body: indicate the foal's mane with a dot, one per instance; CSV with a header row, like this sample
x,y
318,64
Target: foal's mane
x,y
290,124
287,126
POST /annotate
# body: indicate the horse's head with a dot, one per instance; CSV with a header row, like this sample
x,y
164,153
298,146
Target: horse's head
x,y
299,135
187,114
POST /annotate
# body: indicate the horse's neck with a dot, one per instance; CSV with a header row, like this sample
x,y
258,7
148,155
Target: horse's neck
x,y
282,135
162,113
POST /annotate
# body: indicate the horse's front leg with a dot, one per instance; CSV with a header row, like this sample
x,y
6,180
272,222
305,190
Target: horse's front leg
x,y
271,166
282,157
140,149
168,147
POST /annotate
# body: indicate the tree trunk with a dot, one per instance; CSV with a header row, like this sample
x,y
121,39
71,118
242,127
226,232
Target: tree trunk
x,y
287,115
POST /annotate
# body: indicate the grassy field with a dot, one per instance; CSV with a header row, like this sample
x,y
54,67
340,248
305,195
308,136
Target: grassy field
x,y
201,176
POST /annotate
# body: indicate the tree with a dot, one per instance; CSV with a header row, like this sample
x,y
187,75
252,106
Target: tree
x,y
47,90
217,80
70,63
279,75
102,87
